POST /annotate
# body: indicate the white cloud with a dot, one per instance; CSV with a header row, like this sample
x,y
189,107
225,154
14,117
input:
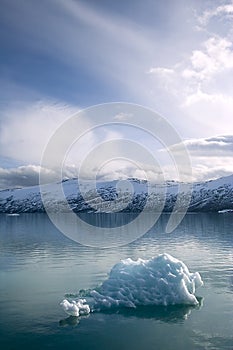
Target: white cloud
x,y
210,113
165,78
161,71
208,147
220,11
121,169
211,157
215,57
220,103
26,128
123,116
212,169
201,86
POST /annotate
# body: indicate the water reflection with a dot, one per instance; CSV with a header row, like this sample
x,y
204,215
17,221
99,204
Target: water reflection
x,y
72,320
167,314
69,321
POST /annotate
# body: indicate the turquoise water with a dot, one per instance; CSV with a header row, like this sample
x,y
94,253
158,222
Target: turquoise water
x,y
38,266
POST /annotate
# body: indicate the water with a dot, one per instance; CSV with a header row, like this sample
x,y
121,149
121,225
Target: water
x,y
38,266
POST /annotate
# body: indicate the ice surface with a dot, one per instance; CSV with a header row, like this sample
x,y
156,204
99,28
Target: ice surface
x,y
163,280
75,308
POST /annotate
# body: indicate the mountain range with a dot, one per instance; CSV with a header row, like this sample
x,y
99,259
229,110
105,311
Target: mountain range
x,y
132,195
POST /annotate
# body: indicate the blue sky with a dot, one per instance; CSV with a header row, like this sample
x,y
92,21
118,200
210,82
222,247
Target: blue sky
x,y
57,57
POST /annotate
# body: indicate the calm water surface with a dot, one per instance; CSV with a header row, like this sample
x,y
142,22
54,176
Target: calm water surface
x,y
38,266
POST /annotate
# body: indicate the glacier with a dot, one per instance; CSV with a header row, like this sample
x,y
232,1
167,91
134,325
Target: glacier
x,y
162,280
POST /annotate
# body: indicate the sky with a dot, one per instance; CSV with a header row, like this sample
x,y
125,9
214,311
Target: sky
x,y
59,57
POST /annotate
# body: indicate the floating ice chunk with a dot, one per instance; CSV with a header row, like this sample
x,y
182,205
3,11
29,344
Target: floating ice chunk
x,y
75,308
225,211
163,280
158,281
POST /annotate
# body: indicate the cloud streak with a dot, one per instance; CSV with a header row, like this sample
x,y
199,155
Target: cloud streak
x,y
209,147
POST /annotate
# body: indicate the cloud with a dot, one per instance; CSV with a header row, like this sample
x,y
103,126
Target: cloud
x,y
161,71
124,169
26,128
110,55
211,157
220,11
123,116
202,66
208,147
165,77
208,171
208,93
214,111
23,176
215,57
200,84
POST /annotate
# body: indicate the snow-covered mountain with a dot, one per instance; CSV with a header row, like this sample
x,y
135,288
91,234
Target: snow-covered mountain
x,y
209,196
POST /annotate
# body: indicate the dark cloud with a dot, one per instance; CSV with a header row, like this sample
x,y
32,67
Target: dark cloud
x,y
211,147
23,176
218,146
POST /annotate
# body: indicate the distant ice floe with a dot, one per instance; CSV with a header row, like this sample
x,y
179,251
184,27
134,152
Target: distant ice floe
x,y
224,211
12,214
163,280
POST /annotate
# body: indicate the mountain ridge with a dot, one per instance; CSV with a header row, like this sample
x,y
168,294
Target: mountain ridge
x,y
132,196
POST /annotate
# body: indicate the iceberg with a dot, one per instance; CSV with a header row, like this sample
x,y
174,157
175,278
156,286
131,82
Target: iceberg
x,y
162,280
